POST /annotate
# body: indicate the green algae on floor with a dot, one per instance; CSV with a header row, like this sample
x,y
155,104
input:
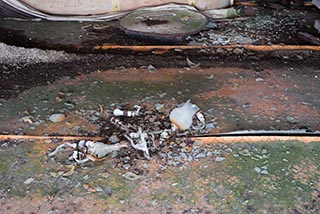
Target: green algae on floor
x,y
254,178
91,91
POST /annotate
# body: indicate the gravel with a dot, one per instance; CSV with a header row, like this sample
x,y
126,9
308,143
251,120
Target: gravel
x,y
11,55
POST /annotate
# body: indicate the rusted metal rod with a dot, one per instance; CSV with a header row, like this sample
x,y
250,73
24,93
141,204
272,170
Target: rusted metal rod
x,y
205,140
32,137
253,139
252,3
258,48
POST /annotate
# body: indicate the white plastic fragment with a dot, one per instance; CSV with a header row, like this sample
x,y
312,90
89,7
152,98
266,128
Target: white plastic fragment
x,y
192,64
88,150
100,150
181,117
118,112
142,143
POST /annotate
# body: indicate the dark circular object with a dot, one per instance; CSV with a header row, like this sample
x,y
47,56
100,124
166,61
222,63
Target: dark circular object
x,y
163,25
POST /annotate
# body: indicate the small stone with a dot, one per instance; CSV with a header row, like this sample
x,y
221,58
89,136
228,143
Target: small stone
x,y
220,50
151,68
216,152
70,105
238,50
259,79
48,141
105,174
131,176
245,152
210,126
229,150
56,118
209,77
99,189
200,155
93,118
291,119
126,166
113,139
28,181
264,172
257,169
26,119
154,202
159,107
219,159
146,166
197,144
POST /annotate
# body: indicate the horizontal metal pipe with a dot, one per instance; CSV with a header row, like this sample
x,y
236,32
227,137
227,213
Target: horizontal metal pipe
x,y
204,139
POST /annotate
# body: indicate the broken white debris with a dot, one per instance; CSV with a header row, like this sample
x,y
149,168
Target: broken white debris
x,y
118,112
142,143
181,117
202,120
88,150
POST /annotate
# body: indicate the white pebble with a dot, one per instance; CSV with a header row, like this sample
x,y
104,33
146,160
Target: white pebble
x,y
56,118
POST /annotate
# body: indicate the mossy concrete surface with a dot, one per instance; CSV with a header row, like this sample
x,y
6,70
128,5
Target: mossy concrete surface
x,y
275,177
253,177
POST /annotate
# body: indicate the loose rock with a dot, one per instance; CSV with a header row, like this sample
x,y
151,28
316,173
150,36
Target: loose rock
x,y
56,118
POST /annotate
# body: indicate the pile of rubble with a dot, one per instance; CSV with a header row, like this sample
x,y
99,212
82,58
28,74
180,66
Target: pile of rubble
x,y
141,132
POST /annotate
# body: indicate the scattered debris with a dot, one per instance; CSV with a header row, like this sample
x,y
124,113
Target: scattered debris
x,y
142,131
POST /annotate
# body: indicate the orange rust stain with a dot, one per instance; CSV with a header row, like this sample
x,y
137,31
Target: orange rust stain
x,y
273,96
